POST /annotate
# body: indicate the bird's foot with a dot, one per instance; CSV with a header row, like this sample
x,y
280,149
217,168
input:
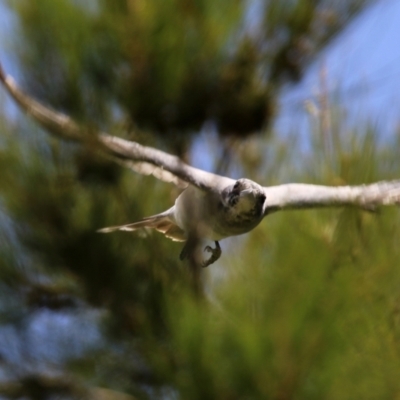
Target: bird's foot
x,y
215,254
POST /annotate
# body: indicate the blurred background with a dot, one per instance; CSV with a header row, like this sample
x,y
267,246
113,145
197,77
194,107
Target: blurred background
x,y
306,306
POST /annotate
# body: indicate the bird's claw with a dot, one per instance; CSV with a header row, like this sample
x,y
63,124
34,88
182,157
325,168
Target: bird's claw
x,y
215,254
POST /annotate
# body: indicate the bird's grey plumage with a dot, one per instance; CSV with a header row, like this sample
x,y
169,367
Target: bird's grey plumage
x,y
232,208
211,206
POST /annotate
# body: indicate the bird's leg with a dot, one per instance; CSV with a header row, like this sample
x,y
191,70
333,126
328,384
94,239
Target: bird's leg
x,y
190,247
215,254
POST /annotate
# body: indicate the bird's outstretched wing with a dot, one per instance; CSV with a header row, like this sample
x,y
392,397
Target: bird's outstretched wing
x,y
301,195
147,160
142,159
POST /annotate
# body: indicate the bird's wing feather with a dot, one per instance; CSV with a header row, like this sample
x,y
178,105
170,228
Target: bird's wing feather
x,y
160,222
142,159
300,195
164,166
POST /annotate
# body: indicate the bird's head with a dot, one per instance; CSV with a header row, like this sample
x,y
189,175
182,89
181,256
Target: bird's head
x,y
245,196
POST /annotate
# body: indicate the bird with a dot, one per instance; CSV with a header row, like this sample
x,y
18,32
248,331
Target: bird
x,y
210,206
231,208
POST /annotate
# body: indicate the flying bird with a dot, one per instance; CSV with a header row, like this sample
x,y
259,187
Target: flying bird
x,y
211,206
226,208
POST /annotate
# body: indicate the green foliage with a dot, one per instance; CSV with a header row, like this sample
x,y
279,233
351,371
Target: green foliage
x,y
169,66
305,307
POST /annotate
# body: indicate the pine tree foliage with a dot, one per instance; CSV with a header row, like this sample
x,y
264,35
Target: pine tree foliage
x,y
306,306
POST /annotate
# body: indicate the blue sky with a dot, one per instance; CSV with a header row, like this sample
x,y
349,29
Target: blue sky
x,y
363,70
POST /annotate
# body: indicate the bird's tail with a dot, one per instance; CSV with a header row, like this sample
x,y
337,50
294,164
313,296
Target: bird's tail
x,y
161,222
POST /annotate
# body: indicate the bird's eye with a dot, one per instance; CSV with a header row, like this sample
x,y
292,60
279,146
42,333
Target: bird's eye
x,y
262,198
236,185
